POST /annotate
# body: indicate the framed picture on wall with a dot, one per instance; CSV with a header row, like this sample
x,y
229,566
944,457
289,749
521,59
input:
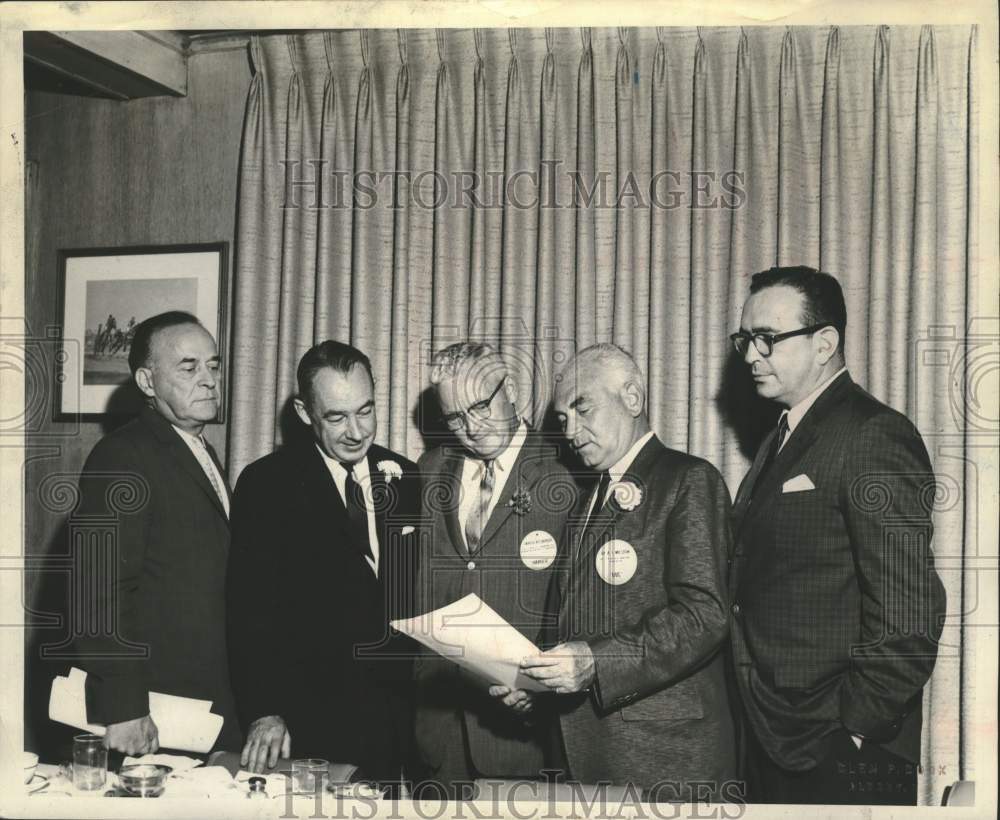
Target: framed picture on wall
x,y
104,293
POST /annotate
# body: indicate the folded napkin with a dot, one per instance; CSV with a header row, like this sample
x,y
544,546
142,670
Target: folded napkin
x,y
179,763
207,781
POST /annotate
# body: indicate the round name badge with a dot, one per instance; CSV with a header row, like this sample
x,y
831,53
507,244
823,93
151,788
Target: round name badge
x,y
616,562
538,550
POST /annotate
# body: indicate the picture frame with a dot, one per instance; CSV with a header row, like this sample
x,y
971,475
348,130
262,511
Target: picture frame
x,y
116,288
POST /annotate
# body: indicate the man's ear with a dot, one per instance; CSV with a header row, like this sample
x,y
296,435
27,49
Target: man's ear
x,y
828,340
301,411
510,391
144,381
633,398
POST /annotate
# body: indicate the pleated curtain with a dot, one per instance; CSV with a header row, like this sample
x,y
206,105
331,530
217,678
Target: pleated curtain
x,y
545,189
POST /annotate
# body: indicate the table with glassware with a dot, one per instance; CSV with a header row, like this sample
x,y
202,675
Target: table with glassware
x,y
179,776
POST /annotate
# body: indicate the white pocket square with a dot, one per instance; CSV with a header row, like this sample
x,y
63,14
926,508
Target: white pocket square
x,y
799,484
407,530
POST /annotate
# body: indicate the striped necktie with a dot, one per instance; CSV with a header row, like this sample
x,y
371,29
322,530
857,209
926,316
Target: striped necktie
x,y
476,522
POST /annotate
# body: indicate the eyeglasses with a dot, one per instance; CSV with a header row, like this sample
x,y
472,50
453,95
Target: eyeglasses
x,y
480,411
765,342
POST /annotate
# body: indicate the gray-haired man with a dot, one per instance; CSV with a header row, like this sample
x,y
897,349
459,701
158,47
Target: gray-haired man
x,y
497,499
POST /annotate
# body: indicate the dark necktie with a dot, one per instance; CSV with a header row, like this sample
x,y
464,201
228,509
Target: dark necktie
x,y
476,522
595,512
357,514
772,453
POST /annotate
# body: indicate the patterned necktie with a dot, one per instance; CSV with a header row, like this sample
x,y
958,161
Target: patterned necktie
x,y
357,513
476,521
595,512
208,466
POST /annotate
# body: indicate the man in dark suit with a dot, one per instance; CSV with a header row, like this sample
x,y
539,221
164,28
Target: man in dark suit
x,y
497,504
642,603
324,554
163,487
837,608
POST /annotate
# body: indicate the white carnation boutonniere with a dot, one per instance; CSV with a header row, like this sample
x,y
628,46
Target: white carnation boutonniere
x,y
389,470
627,495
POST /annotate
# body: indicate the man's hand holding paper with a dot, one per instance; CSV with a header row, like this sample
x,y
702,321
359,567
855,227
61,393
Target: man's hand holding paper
x,y
564,669
471,634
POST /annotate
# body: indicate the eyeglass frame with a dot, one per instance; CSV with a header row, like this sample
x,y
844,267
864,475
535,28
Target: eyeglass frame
x,y
770,339
481,410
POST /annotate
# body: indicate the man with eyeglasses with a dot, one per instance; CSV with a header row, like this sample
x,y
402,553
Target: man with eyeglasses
x,y
496,499
837,608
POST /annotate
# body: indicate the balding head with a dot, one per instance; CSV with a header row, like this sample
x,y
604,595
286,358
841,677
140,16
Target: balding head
x,y
600,401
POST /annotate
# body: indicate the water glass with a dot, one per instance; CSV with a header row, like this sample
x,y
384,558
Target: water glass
x,y
90,762
309,775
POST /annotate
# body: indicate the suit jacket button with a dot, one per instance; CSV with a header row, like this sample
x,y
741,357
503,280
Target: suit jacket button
x,y
471,565
736,610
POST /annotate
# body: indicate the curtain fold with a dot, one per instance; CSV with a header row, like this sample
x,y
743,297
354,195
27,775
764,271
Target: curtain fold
x,y
545,189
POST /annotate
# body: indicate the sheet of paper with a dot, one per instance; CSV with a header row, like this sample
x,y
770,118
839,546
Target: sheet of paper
x,y
470,633
185,724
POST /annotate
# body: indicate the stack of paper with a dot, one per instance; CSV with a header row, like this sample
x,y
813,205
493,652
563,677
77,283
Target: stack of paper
x,y
471,633
185,724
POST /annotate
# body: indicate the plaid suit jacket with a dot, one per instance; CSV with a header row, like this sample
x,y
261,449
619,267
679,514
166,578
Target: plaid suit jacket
x,y
837,607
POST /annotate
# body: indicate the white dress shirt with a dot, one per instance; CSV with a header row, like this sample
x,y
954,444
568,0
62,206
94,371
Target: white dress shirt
x,y
796,413
472,475
618,469
198,447
363,479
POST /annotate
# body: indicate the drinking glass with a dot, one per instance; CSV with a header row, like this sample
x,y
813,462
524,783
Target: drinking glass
x,y
90,762
309,775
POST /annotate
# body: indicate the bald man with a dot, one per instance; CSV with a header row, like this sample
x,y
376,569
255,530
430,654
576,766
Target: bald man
x,y
642,604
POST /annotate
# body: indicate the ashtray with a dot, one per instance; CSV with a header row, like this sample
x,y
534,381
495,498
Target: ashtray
x,y
144,779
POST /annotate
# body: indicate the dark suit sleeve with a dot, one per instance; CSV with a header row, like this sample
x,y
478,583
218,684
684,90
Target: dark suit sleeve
x,y
114,490
886,499
672,640
256,586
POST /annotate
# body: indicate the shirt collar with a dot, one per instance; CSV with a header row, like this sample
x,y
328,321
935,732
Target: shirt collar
x,y
337,469
619,468
796,413
505,461
189,437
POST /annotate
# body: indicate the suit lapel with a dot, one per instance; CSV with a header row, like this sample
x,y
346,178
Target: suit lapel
x,y
182,455
452,473
638,473
320,492
799,441
746,490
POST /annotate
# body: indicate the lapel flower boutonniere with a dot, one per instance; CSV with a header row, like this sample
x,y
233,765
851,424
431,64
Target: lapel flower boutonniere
x,y
389,470
520,502
627,495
